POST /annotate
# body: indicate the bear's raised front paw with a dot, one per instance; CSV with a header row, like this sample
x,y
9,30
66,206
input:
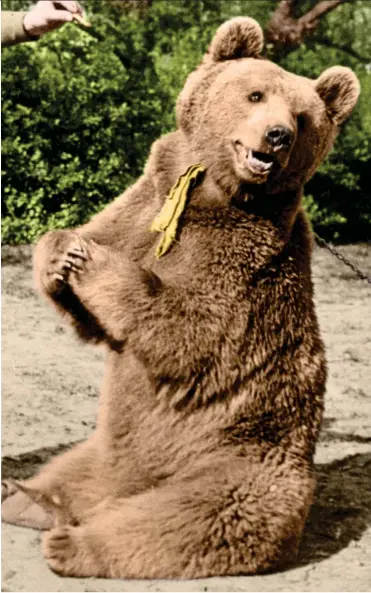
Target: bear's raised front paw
x,y
64,262
66,552
74,259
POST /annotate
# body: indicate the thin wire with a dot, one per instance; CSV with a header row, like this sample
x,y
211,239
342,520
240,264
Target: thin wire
x,y
361,275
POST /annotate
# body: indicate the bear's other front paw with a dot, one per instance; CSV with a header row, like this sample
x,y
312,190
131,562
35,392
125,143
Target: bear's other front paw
x,y
67,553
74,259
68,259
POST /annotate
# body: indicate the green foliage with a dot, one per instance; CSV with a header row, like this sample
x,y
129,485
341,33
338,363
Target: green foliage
x,y
82,108
79,115
338,198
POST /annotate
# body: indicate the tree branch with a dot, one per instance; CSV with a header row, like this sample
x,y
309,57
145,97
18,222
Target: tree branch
x,y
285,32
347,50
320,9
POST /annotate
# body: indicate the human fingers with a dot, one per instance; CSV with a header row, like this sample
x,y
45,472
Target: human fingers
x,y
58,17
69,5
45,18
44,10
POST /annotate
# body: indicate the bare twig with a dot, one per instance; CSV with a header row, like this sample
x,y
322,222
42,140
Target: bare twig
x,y
80,20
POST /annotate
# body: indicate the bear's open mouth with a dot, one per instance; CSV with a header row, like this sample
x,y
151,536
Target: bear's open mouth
x,y
260,163
254,162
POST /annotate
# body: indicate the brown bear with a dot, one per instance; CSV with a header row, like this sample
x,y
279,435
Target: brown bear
x,y
202,460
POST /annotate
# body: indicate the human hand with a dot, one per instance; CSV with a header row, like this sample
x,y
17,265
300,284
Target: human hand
x,y
46,16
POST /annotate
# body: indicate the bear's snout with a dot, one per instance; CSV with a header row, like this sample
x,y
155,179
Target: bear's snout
x,y
279,137
260,147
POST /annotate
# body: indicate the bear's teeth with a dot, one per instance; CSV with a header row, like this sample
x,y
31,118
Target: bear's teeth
x,y
258,165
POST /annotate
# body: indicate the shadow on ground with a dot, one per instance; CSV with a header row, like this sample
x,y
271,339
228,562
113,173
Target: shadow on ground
x,y
342,508
340,514
25,465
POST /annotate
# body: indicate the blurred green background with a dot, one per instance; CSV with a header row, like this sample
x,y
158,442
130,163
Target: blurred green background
x,y
81,108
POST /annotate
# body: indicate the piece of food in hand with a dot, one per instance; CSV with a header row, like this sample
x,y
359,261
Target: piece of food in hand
x,y
77,17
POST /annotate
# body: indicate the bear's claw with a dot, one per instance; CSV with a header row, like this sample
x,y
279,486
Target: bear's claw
x,y
76,256
66,553
72,260
60,549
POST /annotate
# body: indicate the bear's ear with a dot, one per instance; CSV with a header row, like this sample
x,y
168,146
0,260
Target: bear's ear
x,y
339,88
240,37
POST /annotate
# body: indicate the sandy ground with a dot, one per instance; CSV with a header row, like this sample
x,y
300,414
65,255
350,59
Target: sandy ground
x,y
50,385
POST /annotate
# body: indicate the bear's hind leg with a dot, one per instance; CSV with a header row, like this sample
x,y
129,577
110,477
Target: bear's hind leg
x,y
64,490
226,520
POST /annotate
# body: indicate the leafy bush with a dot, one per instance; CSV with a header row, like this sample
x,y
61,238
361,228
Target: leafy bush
x,y
77,124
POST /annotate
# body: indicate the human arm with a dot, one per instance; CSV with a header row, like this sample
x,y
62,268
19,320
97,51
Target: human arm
x,y
12,29
18,27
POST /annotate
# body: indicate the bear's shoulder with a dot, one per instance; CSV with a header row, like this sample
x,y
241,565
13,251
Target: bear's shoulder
x,y
169,158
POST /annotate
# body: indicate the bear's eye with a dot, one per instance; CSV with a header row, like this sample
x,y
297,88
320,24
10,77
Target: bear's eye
x,y
301,122
255,97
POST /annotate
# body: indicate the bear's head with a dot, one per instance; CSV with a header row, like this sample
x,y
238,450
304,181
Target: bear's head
x,y
252,123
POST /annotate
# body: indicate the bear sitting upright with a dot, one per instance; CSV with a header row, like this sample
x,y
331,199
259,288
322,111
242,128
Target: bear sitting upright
x,y
202,460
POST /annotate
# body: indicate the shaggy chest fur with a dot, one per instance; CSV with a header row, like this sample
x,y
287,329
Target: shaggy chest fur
x,y
262,377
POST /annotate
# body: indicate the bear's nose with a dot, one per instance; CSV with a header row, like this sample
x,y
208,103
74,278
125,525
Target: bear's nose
x,y
279,136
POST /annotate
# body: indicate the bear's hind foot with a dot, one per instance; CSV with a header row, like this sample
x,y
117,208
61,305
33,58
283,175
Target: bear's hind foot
x,y
67,553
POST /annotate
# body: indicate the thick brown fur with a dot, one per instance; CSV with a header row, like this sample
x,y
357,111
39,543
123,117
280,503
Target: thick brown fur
x,y
201,463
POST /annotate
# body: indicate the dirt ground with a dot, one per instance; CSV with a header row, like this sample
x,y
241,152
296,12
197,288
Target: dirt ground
x,y
50,385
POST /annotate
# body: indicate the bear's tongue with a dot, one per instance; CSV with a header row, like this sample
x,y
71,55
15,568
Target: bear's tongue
x,y
259,162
